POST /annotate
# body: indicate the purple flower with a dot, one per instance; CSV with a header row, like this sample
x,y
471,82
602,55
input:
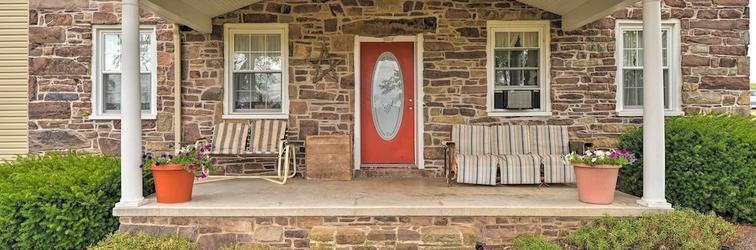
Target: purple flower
x,y
202,150
179,153
191,166
157,164
187,153
149,157
162,155
141,165
203,176
199,158
224,170
144,156
170,157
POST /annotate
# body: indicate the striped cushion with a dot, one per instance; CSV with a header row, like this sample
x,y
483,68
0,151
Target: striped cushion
x,y
557,170
229,138
510,140
477,169
520,169
265,136
549,140
472,139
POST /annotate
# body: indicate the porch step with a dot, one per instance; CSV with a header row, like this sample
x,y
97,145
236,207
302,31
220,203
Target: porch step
x,y
355,237
394,172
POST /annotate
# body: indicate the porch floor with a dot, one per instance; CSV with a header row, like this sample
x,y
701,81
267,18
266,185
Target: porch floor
x,y
382,197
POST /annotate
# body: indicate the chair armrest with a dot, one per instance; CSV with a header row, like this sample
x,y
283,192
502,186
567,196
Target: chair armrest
x,y
203,140
579,147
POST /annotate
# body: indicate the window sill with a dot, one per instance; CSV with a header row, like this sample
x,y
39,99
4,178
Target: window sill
x,y
524,113
118,117
640,113
255,116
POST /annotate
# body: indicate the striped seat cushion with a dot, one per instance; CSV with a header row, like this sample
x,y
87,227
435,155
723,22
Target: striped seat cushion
x,y
510,140
549,140
520,169
477,169
265,136
229,138
472,139
557,170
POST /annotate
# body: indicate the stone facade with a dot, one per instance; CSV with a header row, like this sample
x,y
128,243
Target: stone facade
x,y
356,232
715,68
60,84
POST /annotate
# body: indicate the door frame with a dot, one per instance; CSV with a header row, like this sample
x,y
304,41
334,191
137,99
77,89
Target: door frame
x,y
419,103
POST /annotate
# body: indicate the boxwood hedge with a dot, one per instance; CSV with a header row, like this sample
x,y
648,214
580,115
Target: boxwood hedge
x,y
58,200
710,164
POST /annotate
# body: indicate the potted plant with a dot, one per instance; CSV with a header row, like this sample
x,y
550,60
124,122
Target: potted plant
x,y
174,174
596,173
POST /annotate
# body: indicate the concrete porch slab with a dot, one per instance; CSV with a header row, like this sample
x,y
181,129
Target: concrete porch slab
x,y
381,197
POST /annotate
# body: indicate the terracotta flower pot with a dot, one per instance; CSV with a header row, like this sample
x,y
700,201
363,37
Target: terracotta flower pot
x,y
173,183
596,184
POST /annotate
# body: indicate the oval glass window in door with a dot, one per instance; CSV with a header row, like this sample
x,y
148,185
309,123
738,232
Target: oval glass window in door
x,y
387,98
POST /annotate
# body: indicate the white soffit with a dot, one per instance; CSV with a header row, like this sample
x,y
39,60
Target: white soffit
x,y
576,13
197,14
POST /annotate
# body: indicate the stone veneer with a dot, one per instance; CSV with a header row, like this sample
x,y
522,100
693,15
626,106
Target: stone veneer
x,y
60,84
355,232
715,68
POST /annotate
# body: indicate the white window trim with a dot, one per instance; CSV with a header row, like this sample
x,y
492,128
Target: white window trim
x,y
544,33
98,113
229,30
673,53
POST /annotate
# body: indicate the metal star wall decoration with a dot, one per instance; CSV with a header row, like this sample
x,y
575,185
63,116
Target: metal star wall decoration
x,y
332,62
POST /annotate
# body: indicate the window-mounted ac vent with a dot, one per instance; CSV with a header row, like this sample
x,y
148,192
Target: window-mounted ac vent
x,y
519,99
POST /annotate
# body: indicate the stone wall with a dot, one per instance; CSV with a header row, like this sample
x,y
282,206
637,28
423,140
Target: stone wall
x,y
60,84
715,67
355,232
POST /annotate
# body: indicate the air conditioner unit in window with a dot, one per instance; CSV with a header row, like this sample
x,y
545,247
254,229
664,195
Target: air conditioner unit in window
x,y
519,99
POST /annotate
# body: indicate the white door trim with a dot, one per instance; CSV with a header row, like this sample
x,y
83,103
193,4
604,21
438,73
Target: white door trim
x,y
419,103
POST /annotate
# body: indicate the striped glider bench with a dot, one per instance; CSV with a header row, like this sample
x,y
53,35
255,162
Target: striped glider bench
x,y
259,138
513,154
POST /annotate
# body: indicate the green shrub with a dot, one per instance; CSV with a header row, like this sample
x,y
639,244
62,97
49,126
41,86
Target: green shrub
x,y
682,229
58,200
143,241
527,242
710,164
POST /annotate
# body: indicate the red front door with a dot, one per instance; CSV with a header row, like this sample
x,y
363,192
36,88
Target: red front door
x,y
387,106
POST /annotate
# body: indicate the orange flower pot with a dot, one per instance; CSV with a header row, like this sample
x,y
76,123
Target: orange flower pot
x,y
596,184
173,183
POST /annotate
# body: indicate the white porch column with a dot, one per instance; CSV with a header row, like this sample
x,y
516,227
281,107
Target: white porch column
x,y
131,120
653,108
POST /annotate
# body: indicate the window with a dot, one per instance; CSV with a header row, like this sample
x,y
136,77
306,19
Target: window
x,y
518,68
630,67
256,71
106,72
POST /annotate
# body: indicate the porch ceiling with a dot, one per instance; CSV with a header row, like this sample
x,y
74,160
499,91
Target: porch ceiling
x,y
197,14
576,13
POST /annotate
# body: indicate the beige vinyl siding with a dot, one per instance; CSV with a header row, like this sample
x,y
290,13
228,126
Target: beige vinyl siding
x,y
14,74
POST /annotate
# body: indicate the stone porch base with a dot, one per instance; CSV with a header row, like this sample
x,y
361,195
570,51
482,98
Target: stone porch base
x,y
371,213
346,232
